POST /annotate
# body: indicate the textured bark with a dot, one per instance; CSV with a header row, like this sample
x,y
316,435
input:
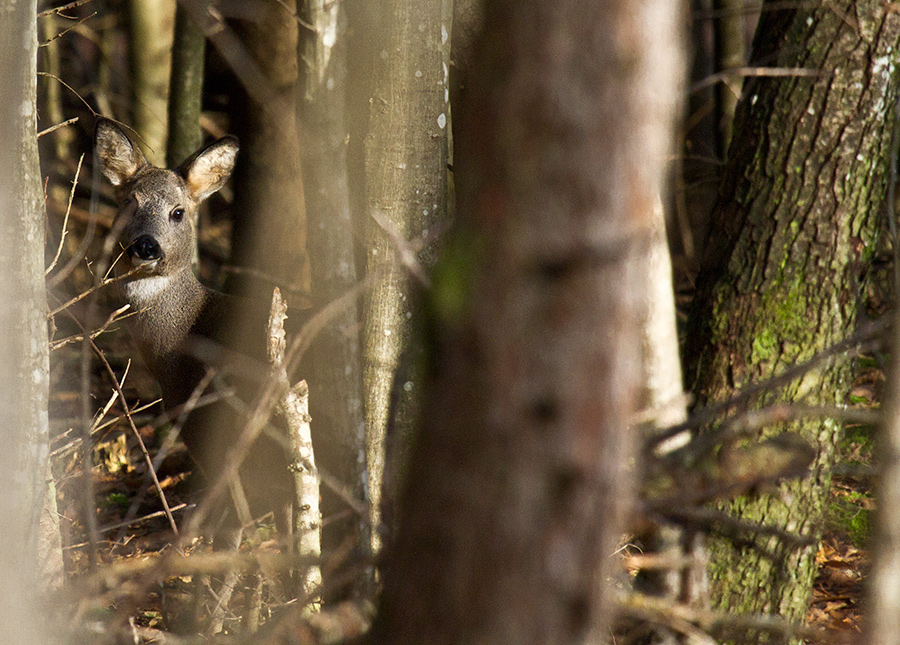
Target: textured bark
x,y
521,476
152,24
24,364
406,184
186,89
796,224
335,354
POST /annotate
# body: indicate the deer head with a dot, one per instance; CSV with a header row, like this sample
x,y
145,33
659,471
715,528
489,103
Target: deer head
x,y
161,204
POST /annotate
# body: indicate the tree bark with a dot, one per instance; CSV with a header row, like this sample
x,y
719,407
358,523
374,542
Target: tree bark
x,y
24,362
186,89
794,229
335,354
406,186
269,233
522,474
150,50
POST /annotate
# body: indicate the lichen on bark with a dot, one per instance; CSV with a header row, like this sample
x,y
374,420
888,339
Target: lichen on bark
x,y
796,221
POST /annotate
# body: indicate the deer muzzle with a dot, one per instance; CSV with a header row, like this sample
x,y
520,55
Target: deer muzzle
x,y
145,248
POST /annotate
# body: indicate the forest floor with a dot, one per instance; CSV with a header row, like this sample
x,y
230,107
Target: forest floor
x,y
120,482
121,486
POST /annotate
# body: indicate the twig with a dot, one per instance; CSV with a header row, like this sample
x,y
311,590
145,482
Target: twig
x,y
753,420
65,31
266,403
726,525
194,401
754,8
54,128
65,7
779,72
69,87
156,569
56,279
711,412
62,236
139,520
270,280
294,405
296,16
695,621
63,449
137,434
97,286
113,317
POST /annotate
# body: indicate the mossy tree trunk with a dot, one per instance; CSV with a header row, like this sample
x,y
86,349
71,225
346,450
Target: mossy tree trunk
x,y
796,224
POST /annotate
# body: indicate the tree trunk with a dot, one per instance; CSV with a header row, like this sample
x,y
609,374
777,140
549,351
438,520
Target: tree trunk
x,y
523,472
186,89
269,233
24,362
336,357
731,52
152,24
795,227
406,185
884,581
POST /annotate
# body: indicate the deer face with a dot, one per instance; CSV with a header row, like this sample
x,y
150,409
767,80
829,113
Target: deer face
x,y
160,205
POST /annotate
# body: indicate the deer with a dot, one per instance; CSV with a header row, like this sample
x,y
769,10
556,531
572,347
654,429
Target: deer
x,y
178,319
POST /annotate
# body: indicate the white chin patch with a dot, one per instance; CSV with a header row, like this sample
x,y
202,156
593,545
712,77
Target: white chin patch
x,y
144,289
148,265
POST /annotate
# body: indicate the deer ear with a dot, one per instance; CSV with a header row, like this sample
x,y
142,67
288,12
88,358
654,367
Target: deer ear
x,y
207,170
119,157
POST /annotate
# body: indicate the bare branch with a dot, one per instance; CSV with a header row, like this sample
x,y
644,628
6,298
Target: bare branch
x,y
54,128
62,236
65,7
780,72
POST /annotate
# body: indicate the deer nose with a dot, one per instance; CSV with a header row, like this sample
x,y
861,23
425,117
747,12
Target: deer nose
x,y
145,248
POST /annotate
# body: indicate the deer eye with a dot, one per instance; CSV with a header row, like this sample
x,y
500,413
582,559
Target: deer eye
x,y
177,214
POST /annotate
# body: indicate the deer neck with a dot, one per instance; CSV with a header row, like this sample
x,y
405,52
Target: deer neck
x,y
167,307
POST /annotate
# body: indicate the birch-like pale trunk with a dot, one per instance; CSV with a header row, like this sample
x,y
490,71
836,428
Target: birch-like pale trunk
x,y
336,357
406,186
24,354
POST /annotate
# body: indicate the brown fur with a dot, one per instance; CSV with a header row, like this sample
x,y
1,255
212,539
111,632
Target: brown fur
x,y
180,325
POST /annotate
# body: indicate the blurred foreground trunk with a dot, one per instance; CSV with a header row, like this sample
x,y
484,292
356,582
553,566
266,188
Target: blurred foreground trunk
x,y
24,365
523,473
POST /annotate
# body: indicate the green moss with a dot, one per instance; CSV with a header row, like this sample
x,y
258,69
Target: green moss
x,y
453,278
765,347
849,517
116,500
